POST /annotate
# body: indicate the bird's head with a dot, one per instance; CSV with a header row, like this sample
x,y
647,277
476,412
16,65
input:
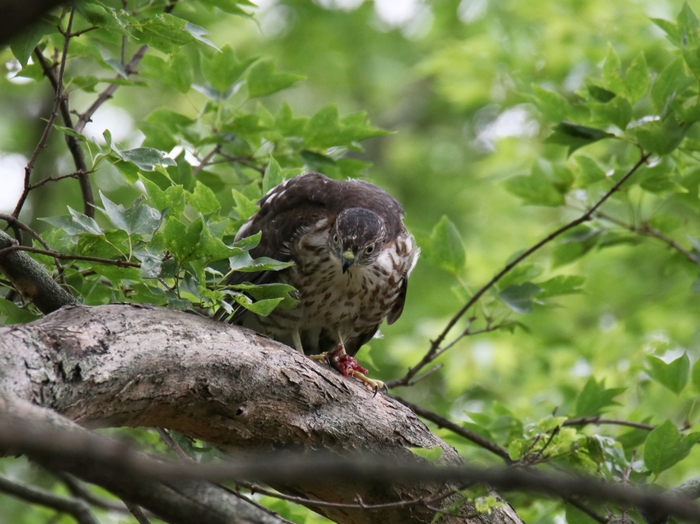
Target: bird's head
x,y
357,237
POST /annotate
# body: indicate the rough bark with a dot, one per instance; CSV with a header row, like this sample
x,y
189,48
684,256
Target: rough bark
x,y
31,278
126,365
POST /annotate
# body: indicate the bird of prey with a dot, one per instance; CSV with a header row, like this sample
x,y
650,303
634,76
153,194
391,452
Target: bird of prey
x,y
351,255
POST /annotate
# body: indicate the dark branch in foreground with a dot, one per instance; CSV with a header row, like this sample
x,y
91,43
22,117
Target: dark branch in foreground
x,y
122,459
78,509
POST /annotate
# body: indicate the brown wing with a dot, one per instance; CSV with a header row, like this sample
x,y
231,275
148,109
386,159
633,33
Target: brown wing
x,y
397,308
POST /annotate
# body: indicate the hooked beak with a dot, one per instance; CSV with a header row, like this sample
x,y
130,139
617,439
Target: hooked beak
x,y
347,259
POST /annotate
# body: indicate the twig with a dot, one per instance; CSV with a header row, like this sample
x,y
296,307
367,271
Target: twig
x,y
245,161
78,509
78,490
442,422
105,95
646,230
435,344
174,446
137,512
15,223
585,509
66,256
582,421
206,160
72,142
254,488
49,125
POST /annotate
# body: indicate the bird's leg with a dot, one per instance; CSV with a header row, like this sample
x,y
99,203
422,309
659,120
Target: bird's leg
x,y
297,341
349,367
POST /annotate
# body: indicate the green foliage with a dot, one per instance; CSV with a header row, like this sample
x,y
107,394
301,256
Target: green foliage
x,y
489,108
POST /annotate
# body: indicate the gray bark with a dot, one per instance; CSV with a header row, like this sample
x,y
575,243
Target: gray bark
x,y
127,365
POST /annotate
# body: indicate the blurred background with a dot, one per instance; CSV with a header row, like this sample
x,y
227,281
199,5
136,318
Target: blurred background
x,y
452,80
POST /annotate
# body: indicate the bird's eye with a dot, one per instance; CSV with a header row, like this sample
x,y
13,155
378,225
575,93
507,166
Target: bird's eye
x,y
369,250
335,239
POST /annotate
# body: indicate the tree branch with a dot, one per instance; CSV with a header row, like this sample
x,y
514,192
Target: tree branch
x,y
31,278
78,509
126,365
435,345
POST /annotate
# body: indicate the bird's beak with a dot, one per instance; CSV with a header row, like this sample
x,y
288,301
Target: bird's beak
x,y
347,259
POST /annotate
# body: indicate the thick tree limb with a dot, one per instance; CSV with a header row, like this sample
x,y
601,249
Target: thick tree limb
x,y
126,365
31,278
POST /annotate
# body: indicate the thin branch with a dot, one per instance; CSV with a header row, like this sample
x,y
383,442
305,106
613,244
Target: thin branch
x,y
442,422
646,230
72,142
585,509
49,125
138,513
583,421
80,491
245,161
254,488
105,95
66,256
174,446
18,225
587,215
206,160
78,509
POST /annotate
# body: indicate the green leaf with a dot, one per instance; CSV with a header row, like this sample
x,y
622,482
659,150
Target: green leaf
x,y
245,207
433,455
518,297
673,375
574,245
554,106
14,314
224,69
672,30
576,136
661,137
203,199
268,291
600,94
561,285
244,262
176,73
139,219
590,172
618,111
545,186
264,80
146,158
75,224
594,398
231,6
273,176
165,32
444,248
637,78
611,71
23,45
259,307
671,84
665,447
182,240
198,33
696,375
172,200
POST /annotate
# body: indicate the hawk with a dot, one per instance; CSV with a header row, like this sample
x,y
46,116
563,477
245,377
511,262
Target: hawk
x,y
352,257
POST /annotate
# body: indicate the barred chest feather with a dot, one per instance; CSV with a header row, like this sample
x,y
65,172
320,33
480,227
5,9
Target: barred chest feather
x,y
333,303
